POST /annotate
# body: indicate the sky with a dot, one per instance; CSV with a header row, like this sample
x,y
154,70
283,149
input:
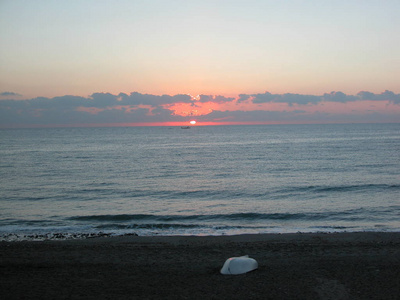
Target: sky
x,y
166,62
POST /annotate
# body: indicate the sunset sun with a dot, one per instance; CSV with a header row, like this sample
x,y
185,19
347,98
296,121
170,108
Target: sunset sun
x,y
193,122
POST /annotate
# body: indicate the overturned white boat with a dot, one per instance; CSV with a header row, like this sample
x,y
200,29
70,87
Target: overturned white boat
x,y
239,265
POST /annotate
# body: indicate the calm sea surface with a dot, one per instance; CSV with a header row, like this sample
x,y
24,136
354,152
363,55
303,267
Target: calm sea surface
x,y
207,180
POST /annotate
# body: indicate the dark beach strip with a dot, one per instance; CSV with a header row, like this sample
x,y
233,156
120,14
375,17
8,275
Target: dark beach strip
x,y
363,265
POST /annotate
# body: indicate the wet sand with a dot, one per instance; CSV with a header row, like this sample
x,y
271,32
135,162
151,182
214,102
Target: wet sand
x,y
291,266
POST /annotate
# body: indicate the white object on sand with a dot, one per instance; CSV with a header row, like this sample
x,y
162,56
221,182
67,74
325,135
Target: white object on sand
x,y
239,265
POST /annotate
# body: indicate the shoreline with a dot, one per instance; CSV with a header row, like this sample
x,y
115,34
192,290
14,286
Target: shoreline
x,y
62,236
345,265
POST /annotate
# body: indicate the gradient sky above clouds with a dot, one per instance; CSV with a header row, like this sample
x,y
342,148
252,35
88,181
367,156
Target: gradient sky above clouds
x,y
209,48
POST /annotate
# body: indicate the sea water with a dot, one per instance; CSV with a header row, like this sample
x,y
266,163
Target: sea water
x,y
206,180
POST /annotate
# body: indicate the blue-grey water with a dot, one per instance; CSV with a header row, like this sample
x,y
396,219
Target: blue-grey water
x,y
207,180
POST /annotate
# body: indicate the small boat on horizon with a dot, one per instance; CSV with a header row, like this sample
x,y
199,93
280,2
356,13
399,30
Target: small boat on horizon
x,y
185,127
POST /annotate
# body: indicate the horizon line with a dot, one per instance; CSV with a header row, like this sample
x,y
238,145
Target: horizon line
x,y
177,124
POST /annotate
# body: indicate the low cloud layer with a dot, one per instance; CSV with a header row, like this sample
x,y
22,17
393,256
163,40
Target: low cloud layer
x,y
9,94
312,99
106,108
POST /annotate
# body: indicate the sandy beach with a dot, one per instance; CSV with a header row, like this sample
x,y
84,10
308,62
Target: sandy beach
x,y
291,266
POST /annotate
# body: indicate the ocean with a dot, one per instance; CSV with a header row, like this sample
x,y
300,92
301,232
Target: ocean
x,y
62,183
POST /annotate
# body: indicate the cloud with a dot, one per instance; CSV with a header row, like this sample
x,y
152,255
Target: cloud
x,y
148,99
63,102
252,116
102,100
9,94
386,95
298,116
215,99
339,97
97,108
282,98
135,107
300,99
243,97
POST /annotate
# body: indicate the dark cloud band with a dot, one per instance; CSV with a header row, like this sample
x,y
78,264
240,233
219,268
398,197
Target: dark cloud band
x,y
146,108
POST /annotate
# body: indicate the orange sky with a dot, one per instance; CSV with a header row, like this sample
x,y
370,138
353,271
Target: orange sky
x,y
81,55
